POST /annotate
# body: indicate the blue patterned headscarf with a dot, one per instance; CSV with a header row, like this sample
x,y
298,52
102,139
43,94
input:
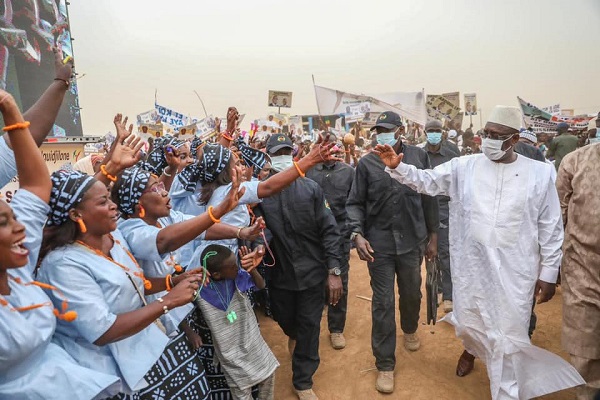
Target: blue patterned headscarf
x,y
156,161
197,144
68,189
252,157
133,182
214,161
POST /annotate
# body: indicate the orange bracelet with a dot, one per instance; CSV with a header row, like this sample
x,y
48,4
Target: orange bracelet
x,y
302,174
168,283
212,217
228,137
14,127
106,174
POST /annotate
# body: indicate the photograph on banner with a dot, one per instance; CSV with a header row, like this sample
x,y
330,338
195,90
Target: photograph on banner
x,y
357,111
205,126
457,122
172,117
295,125
452,97
149,117
187,132
370,119
470,104
146,131
440,108
280,99
543,121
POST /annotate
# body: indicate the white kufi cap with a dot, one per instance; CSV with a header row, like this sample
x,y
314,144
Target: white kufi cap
x,y
507,116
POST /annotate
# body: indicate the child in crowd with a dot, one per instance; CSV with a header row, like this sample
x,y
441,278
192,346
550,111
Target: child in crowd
x,y
245,357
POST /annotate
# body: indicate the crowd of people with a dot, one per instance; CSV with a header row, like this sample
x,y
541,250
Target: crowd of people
x,y
135,275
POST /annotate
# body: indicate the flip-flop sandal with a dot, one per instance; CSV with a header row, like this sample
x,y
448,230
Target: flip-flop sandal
x,y
465,365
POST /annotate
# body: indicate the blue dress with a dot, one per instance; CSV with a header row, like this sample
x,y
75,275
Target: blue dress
x,y
187,203
99,290
31,365
141,239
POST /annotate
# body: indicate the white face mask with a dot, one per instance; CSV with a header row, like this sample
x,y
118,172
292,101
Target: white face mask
x,y
280,163
492,148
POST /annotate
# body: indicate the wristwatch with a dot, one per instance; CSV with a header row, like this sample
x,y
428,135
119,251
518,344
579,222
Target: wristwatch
x,y
353,236
335,271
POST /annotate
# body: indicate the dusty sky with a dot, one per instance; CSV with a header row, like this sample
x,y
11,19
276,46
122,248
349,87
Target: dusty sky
x,y
233,52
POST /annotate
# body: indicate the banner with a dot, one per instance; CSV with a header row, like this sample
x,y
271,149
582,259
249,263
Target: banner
x,y
438,107
205,126
543,121
148,117
171,117
457,122
554,110
452,97
295,125
356,112
409,105
280,99
470,104
146,131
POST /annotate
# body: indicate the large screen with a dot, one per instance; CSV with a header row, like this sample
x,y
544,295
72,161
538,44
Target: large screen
x,y
29,29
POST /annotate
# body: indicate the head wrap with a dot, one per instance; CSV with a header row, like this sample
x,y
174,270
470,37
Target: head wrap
x,y
85,165
156,161
253,157
197,144
68,189
214,161
133,182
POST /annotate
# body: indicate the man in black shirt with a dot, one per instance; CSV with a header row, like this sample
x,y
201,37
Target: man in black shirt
x,y
306,246
335,178
391,225
439,152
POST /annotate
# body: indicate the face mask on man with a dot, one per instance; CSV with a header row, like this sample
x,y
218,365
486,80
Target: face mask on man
x,y
434,138
280,163
492,148
387,138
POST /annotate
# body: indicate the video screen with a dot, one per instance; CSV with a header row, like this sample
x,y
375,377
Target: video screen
x,y
29,29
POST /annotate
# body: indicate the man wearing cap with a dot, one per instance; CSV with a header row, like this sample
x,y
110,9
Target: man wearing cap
x,y
506,237
578,185
306,248
392,227
335,178
439,152
562,144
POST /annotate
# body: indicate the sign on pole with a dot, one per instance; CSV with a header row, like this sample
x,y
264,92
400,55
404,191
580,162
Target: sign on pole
x,y
279,99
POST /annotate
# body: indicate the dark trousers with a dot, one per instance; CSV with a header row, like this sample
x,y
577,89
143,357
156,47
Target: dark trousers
x,y
336,315
298,313
406,268
444,256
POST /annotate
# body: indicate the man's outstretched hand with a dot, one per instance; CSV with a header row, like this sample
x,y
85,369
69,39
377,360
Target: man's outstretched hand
x,y
388,155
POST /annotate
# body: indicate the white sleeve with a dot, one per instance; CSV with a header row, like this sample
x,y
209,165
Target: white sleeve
x,y
432,182
8,166
550,234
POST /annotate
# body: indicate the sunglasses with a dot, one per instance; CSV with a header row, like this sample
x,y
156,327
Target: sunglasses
x,y
158,188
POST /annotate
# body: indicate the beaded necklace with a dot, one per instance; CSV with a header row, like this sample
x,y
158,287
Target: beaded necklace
x,y
64,315
139,273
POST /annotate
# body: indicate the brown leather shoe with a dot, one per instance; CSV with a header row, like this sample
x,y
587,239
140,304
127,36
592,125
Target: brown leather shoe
x,y
465,365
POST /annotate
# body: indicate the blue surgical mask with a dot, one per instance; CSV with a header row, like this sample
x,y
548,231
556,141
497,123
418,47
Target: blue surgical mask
x,y
280,163
434,137
387,138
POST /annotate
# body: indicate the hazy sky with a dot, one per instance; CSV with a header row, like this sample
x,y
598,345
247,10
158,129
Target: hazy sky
x,y
233,52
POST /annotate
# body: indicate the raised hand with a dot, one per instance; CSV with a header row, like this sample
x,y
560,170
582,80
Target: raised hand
x,y
253,231
184,292
388,155
172,157
126,147
232,120
232,199
62,70
250,259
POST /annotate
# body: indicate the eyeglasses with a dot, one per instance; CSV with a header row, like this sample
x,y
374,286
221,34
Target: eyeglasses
x,y
158,188
487,134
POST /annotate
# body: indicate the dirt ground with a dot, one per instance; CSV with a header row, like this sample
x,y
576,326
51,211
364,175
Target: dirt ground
x,y
426,374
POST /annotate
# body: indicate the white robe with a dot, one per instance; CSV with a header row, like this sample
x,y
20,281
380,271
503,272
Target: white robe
x,y
506,232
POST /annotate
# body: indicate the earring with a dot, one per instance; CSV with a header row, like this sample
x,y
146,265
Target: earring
x,y
82,226
142,211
